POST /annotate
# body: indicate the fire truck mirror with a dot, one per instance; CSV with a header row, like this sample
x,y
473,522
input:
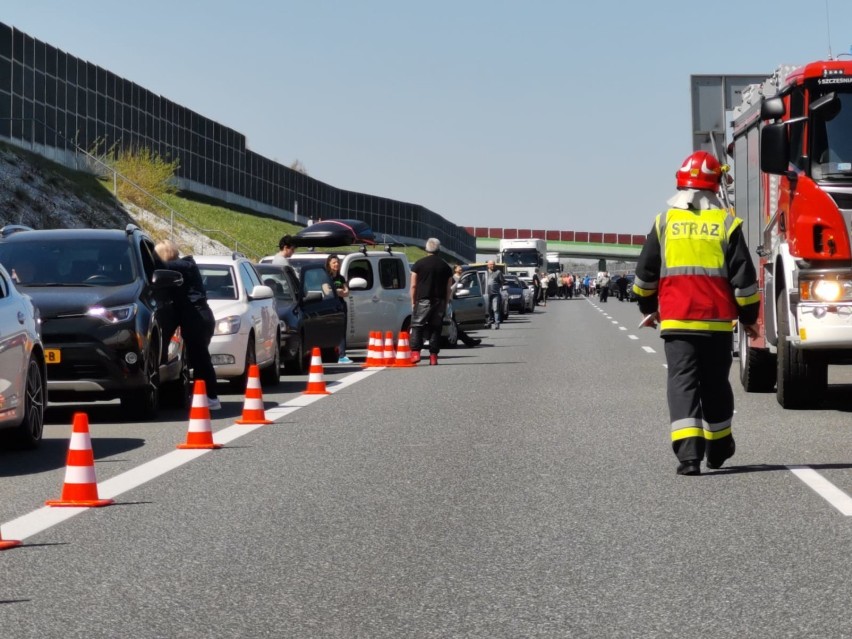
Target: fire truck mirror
x,y
774,149
772,109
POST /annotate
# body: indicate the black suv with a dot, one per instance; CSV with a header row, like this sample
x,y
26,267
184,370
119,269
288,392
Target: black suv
x,y
106,314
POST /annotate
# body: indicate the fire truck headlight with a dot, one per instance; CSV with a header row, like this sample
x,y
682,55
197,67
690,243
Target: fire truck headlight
x,y
828,290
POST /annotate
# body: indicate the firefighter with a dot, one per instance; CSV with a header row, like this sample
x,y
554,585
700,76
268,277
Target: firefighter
x,y
694,277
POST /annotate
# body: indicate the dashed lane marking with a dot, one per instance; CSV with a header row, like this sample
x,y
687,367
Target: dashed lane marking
x,y
648,349
824,488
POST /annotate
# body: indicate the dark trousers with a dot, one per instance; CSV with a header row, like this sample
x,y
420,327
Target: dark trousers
x,y
701,402
427,319
196,328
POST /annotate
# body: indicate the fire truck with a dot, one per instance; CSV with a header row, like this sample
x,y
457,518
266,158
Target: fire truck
x,y
792,169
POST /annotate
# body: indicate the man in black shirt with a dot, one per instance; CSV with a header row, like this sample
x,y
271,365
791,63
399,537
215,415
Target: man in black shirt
x,y
431,283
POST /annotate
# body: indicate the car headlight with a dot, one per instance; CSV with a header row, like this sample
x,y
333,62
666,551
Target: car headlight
x,y
227,325
826,290
113,315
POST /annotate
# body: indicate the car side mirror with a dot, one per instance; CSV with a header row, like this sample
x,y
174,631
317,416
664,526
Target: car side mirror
x,y
166,278
358,284
462,292
261,292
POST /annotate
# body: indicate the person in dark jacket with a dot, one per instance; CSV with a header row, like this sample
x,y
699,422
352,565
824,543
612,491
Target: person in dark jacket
x,y
695,277
194,316
431,289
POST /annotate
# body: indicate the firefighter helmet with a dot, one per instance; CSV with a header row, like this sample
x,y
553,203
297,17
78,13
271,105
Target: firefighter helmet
x,y
699,171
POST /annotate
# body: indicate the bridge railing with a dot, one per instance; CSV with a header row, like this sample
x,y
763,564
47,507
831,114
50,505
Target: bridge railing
x,y
590,237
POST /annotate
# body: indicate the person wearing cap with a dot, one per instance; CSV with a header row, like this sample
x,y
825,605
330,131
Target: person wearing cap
x,y
431,289
286,248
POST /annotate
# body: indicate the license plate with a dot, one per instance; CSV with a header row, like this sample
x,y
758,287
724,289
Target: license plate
x,y
52,355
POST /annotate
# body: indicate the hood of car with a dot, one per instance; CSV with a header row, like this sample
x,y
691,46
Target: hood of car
x,y
70,301
226,308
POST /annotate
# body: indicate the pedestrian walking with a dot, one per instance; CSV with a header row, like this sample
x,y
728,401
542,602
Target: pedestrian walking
x,y
695,276
286,248
494,282
431,289
193,315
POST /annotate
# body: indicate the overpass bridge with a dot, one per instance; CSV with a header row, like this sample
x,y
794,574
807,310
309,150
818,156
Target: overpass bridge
x,y
583,244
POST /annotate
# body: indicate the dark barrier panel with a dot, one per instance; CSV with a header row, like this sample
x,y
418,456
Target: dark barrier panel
x,y
51,98
610,238
510,234
567,236
625,238
581,236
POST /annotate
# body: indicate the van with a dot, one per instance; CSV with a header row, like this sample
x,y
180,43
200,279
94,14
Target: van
x,y
379,297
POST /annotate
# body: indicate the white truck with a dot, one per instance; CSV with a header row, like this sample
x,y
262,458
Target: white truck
x,y
523,257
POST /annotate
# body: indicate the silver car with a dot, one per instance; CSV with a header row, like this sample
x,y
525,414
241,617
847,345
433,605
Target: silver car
x,y
23,380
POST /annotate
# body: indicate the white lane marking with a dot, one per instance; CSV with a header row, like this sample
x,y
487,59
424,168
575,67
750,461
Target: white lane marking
x,y
615,321
824,488
40,520
648,349
622,328
633,337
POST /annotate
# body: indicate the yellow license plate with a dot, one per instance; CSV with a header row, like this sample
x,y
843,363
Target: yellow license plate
x,y
52,355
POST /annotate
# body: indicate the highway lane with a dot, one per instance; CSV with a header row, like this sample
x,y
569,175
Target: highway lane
x,y
525,488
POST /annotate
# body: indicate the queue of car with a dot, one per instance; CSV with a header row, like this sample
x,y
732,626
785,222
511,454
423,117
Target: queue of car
x,y
87,315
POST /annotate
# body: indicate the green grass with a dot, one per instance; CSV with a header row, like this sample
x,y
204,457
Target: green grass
x,y
240,229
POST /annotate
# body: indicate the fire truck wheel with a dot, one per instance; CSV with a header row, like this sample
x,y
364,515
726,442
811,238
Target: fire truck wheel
x,y
757,367
802,375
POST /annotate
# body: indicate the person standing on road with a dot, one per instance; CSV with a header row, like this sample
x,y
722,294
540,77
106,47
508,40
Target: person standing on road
x,y
431,289
695,277
194,316
494,282
332,266
286,248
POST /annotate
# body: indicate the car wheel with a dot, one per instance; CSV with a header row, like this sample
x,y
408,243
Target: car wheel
x,y
452,338
30,431
145,401
271,375
328,356
240,382
298,365
178,393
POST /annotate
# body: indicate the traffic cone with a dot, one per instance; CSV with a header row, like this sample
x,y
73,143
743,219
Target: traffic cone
x,y
316,381
403,352
374,351
8,543
80,487
388,353
253,412
200,432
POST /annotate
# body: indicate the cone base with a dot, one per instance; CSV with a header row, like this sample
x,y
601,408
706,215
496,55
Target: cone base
x,y
80,503
316,392
198,446
407,364
9,543
251,422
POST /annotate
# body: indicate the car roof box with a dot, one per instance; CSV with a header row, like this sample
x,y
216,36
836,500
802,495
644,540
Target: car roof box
x,y
336,233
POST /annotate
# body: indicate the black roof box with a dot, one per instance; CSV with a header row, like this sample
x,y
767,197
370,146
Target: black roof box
x,y
329,233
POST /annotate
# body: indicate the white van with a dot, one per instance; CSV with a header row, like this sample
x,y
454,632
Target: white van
x,y
379,298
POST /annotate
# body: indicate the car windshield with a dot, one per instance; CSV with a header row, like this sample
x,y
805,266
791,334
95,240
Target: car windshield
x,y
218,281
521,258
67,262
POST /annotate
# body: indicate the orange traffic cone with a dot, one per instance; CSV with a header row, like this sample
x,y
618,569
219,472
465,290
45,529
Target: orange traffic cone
x,y
253,412
374,350
80,487
200,432
8,543
403,352
388,354
316,381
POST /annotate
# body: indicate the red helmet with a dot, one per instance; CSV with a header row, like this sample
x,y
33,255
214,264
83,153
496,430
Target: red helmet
x,y
699,171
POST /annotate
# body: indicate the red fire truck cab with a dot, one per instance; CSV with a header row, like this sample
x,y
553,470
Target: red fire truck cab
x,y
792,159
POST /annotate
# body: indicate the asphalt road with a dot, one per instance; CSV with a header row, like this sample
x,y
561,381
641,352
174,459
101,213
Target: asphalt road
x,y
525,488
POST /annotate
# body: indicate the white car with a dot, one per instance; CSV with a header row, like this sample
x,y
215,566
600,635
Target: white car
x,y
247,326
23,379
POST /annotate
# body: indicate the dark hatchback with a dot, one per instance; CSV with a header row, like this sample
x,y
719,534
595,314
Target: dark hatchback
x,y
106,314
310,315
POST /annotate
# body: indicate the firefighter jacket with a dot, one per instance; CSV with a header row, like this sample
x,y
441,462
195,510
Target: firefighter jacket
x,y
696,271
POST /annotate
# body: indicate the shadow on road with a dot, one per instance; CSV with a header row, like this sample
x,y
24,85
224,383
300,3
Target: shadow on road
x,y
52,454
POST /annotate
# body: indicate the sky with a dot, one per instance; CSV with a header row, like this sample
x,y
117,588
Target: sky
x,y
544,114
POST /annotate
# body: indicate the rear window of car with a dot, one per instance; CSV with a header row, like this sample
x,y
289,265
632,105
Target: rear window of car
x,y
61,262
218,281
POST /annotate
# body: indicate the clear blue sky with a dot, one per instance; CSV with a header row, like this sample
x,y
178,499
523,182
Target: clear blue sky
x,y
532,114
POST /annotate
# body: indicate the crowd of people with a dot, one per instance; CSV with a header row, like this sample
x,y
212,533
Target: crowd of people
x,y
568,285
